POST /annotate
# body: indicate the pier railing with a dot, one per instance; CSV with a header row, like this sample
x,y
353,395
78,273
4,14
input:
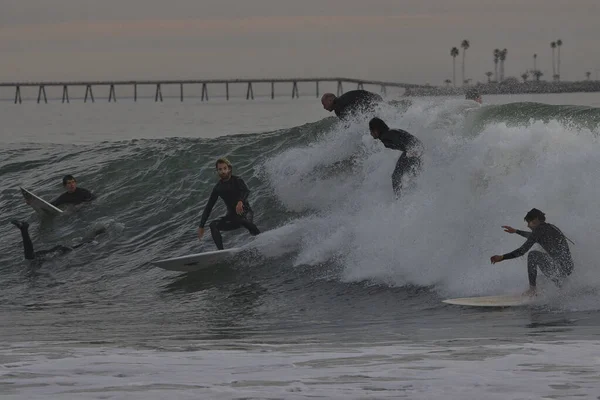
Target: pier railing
x,y
159,84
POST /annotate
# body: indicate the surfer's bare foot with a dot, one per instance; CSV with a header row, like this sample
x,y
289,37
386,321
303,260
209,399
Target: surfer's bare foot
x,y
20,224
531,292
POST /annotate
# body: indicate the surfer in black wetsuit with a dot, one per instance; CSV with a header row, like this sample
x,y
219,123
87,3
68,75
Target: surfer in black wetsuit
x,y
556,262
31,254
350,102
74,195
473,94
234,192
409,162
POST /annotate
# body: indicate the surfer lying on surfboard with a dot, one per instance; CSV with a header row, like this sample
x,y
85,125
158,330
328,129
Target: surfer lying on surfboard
x,y
234,192
31,254
556,262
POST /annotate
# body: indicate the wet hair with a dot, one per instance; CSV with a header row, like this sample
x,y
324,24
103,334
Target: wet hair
x,y
534,213
67,178
472,94
377,124
225,161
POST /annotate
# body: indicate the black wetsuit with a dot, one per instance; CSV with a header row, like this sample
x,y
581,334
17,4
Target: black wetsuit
x,y
231,191
80,195
31,254
556,263
355,101
410,160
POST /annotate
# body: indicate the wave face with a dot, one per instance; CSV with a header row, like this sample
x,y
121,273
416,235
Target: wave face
x,y
322,195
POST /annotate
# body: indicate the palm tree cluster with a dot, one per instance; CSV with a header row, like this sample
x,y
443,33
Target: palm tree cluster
x,y
454,52
499,60
556,66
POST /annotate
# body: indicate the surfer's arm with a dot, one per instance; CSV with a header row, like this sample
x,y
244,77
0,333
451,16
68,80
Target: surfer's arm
x,y
243,189
521,250
209,206
525,234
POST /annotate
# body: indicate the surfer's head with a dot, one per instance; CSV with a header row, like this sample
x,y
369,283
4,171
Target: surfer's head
x,y
328,100
473,94
377,127
69,183
534,217
224,168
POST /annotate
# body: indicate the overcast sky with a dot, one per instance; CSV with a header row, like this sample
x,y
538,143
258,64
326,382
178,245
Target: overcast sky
x,y
395,40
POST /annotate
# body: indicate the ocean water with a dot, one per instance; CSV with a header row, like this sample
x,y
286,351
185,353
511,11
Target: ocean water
x,y
340,296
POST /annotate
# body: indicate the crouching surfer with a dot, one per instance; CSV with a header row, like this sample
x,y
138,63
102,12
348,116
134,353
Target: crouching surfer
x,y
555,262
234,192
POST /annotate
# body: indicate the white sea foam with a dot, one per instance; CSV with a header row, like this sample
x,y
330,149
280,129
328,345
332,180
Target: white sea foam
x,y
418,371
443,232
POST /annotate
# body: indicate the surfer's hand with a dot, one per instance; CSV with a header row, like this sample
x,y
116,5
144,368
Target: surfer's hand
x,y
200,233
509,229
496,259
239,208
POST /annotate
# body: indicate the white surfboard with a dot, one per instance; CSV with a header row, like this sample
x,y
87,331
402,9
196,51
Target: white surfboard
x,y
492,301
196,262
41,206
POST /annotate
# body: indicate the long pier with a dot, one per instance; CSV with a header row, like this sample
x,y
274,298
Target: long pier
x,y
159,84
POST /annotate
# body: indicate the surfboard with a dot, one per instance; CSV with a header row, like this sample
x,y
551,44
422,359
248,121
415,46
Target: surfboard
x,y
197,262
41,206
492,301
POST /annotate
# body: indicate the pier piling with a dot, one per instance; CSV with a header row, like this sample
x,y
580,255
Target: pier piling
x,y
158,96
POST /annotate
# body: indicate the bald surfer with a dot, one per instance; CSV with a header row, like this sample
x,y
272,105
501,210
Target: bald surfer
x,y
350,103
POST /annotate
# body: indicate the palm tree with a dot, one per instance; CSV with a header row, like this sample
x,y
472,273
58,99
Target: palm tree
x,y
538,74
558,44
489,76
447,82
587,75
535,62
525,76
502,59
496,58
553,46
454,53
465,45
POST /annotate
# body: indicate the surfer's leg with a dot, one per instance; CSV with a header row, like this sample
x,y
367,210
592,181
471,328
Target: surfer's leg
x,y
397,176
537,259
222,224
27,244
556,271
247,222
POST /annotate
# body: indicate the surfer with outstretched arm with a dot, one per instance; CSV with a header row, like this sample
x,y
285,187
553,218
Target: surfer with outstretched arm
x,y
31,254
409,162
556,262
234,192
350,102
74,195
